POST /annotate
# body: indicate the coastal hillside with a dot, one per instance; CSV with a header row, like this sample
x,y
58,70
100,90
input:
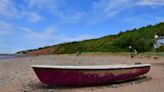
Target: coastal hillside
x,y
142,39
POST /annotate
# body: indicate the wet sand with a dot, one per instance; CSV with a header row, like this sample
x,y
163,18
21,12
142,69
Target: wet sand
x,y
16,75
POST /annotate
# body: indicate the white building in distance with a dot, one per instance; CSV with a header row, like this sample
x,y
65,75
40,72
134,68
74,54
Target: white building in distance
x,y
159,41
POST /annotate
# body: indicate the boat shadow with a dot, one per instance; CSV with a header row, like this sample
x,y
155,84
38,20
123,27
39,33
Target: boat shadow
x,y
109,85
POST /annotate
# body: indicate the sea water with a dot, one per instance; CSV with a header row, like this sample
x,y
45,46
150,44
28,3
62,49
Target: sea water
x,y
5,56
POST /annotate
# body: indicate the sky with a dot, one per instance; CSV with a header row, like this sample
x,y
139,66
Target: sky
x,y
29,24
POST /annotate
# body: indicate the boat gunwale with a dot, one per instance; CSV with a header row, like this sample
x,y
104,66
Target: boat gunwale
x,y
92,67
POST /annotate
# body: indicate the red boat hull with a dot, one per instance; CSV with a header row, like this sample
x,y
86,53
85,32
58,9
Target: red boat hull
x,y
81,77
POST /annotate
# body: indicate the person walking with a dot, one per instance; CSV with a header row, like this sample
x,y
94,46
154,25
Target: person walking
x,y
131,51
77,53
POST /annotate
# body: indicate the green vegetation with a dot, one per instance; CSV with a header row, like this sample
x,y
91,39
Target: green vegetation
x,y
160,49
141,39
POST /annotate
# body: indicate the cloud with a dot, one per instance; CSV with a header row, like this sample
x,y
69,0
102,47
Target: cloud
x,y
158,18
10,10
45,35
49,5
32,16
73,17
49,36
78,38
6,28
156,3
7,9
59,9
105,9
99,10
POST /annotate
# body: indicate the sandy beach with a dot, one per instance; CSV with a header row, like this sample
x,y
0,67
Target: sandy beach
x,y
16,74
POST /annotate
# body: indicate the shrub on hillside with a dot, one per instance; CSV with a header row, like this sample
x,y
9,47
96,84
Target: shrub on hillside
x,y
160,49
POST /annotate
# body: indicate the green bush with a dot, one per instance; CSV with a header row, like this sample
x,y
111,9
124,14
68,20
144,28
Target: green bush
x,y
160,49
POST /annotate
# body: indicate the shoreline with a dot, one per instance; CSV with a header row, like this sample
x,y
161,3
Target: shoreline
x,y
8,56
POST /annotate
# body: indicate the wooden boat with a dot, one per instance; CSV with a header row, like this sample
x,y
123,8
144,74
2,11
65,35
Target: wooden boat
x,y
88,75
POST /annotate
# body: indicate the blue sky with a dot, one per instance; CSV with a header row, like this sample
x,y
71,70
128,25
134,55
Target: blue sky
x,y
29,24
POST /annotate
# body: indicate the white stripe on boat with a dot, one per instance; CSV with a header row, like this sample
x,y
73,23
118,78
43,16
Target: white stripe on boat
x,y
117,66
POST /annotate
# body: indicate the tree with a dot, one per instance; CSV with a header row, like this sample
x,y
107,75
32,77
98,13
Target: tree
x,y
143,44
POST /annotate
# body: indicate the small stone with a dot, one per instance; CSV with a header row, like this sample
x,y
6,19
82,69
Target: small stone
x,y
137,82
114,86
155,57
92,89
132,83
49,90
27,87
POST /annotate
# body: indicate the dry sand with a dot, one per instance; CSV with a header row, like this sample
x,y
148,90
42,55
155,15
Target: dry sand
x,y
16,75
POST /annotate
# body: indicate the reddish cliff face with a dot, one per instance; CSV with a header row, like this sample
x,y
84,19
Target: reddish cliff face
x,y
44,51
